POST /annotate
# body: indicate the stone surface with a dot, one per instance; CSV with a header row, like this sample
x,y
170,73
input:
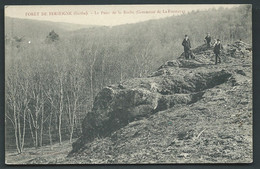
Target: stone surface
x,y
175,82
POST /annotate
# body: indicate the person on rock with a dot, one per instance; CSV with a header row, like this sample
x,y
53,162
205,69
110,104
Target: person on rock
x,y
217,49
208,40
187,46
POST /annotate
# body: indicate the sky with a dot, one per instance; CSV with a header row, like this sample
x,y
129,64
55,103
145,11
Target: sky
x,y
107,15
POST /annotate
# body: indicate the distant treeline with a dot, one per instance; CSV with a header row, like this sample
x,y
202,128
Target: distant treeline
x,y
51,84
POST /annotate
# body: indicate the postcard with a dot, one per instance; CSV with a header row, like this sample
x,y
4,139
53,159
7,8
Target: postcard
x,y
128,84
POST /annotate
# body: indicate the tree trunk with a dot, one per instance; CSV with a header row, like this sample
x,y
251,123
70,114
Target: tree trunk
x,y
41,134
71,132
35,121
15,130
19,130
36,135
30,125
24,125
61,110
60,139
70,118
50,136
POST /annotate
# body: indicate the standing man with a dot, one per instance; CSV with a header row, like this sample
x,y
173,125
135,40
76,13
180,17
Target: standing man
x,y
187,46
217,49
208,40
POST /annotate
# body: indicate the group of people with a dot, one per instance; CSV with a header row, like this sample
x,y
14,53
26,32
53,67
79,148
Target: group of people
x,y
217,47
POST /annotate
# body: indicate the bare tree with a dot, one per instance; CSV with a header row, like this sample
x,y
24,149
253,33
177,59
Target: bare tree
x,y
50,98
34,113
90,57
17,99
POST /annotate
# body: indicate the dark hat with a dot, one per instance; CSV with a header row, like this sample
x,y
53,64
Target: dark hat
x,y
218,39
186,35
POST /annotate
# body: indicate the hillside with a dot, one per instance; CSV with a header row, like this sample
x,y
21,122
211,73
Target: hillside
x,y
154,42
37,29
100,85
188,111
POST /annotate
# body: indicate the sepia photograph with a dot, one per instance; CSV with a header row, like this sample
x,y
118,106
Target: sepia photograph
x,y
128,84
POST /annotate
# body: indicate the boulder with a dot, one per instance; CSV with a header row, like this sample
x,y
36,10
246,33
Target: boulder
x,y
176,82
118,105
239,49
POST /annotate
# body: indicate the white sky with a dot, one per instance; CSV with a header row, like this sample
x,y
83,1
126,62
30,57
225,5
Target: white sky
x,y
108,15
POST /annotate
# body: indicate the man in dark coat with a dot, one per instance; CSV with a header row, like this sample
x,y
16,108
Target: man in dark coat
x,y
208,40
187,46
217,49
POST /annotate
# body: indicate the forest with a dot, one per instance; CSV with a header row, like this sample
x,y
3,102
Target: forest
x,y
51,80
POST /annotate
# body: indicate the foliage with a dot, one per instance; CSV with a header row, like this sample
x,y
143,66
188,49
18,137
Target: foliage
x,y
52,37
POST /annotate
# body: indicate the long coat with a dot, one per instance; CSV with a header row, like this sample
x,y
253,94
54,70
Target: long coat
x,y
217,48
208,39
186,44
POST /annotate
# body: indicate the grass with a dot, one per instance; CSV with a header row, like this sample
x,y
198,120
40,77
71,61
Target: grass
x,y
41,155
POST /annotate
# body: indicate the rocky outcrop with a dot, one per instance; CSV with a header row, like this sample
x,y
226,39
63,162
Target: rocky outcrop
x,y
177,82
239,49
